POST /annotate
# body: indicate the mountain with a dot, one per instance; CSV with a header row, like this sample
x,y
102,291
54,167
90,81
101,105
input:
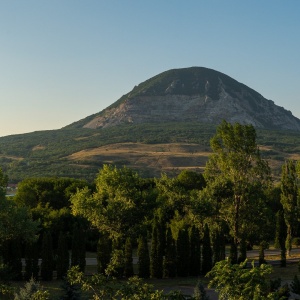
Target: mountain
x,y
192,95
163,125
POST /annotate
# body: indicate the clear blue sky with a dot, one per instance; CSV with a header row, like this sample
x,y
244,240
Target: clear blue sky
x,y
62,60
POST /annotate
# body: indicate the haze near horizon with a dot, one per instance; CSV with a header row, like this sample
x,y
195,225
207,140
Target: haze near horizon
x,y
64,60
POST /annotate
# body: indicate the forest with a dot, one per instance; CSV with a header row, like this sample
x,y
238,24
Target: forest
x,y
190,225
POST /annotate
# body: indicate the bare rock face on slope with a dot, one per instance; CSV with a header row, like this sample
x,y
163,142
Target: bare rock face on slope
x,y
193,95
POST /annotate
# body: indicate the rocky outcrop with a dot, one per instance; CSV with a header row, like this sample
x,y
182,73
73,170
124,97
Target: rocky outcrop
x,y
194,95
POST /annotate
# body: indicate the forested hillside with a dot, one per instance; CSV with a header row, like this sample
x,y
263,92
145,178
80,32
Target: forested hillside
x,y
77,153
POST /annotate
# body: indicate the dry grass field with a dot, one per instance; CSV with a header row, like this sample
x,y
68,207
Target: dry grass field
x,y
169,158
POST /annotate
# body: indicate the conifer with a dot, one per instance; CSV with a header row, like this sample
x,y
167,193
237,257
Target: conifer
x,y
195,256
103,253
169,263
128,268
144,259
47,257
183,253
206,251
62,263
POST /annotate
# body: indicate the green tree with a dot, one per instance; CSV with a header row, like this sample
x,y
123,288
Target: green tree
x,y
195,251
144,259
47,264
289,199
120,204
218,243
31,261
104,249
190,180
12,255
183,253
62,261
156,254
78,247
236,282
128,268
206,251
55,192
236,164
280,237
16,222
169,263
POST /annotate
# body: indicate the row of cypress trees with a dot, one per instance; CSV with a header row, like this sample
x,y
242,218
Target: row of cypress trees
x,y
188,255
50,259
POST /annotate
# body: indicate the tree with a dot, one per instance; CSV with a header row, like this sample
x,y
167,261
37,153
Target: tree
x,y
31,261
103,253
120,204
289,199
190,180
62,262
78,247
128,268
206,251
236,282
195,252
170,260
12,255
280,237
236,164
47,265
183,253
16,222
156,254
144,259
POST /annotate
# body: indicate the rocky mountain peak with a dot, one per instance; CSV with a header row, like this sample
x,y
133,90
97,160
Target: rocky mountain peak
x,y
193,95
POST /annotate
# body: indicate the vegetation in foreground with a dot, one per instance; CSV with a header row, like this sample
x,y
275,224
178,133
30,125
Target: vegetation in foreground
x,y
187,220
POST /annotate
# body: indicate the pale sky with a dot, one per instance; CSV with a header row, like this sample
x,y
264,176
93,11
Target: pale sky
x,y
62,60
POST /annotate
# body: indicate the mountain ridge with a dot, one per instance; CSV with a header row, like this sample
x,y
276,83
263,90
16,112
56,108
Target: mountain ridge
x,y
195,94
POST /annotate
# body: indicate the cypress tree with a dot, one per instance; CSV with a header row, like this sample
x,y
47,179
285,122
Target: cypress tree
x,y
243,251
144,259
183,253
78,248
103,253
262,246
31,261
195,256
156,261
128,268
62,263
206,251
47,257
289,199
216,246
169,263
12,257
280,237
233,252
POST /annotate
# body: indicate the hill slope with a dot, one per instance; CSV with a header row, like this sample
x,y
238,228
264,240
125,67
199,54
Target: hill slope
x,y
192,95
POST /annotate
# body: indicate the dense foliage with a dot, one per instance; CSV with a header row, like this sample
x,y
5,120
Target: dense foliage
x,y
179,226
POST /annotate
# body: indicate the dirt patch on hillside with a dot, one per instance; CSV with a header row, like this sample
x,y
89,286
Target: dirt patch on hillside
x,y
155,157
